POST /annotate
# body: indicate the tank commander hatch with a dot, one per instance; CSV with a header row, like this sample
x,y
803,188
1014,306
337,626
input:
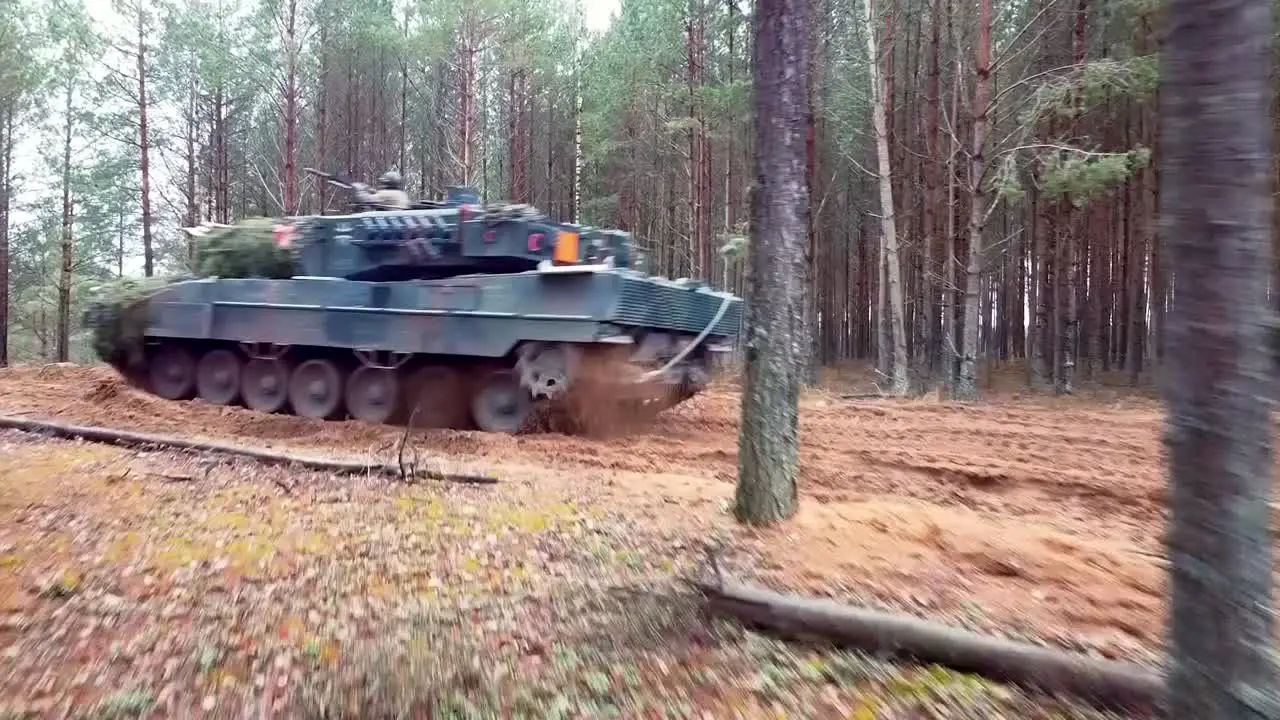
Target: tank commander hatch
x,y
390,194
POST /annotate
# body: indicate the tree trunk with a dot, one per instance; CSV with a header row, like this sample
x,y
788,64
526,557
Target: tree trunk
x,y
193,202
63,343
1109,683
292,50
6,184
399,470
949,349
120,247
575,201
769,439
932,197
888,223
467,127
144,147
1218,372
967,383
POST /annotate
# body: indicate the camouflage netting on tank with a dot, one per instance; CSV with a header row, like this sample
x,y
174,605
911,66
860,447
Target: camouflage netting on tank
x,y
117,318
117,315
247,249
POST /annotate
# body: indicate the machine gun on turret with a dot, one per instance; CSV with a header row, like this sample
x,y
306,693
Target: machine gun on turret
x,y
355,190
455,195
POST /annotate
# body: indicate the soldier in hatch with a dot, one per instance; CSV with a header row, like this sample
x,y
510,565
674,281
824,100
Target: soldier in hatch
x,y
390,194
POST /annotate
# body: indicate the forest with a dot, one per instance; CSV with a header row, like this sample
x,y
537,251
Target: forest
x,y
982,179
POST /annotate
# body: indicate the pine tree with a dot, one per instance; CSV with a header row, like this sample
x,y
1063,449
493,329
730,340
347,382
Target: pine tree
x,y
1216,208
776,327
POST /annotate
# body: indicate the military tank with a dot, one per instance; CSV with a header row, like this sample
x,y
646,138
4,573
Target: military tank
x,y
449,314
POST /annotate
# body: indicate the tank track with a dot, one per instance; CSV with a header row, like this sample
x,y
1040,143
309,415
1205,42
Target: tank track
x,y
590,389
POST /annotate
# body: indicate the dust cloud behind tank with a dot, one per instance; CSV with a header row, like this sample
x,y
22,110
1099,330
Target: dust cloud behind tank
x,y
449,314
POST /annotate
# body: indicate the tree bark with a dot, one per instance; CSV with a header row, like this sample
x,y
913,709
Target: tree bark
x,y
967,383
776,327
132,439
950,352
144,147
1218,375
933,198
1106,682
467,126
6,185
888,222
62,345
292,51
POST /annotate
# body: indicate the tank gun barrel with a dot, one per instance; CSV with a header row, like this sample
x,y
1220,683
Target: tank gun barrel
x,y
332,179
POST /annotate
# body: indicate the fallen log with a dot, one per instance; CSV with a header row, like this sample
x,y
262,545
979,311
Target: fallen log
x,y
132,439
1104,682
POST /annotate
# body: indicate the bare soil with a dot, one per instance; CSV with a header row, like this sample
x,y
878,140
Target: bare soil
x,y
1039,518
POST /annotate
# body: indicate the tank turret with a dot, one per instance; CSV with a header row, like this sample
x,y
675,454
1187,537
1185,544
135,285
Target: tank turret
x,y
436,240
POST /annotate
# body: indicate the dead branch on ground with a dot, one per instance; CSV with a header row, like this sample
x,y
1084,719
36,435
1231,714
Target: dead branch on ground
x,y
1106,682
132,439
408,470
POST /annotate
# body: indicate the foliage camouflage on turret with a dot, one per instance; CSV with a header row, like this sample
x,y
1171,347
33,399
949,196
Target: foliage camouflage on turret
x,y
247,249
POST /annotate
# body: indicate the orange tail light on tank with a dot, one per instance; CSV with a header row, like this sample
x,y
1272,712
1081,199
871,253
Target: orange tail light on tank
x,y
566,251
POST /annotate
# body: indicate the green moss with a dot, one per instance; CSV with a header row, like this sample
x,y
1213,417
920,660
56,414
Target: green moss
x,y
122,705
64,584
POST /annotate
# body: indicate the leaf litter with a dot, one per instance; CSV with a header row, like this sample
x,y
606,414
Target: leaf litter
x,y
126,594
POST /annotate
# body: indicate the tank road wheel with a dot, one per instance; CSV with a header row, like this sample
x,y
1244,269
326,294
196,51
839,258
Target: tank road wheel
x,y
439,399
173,373
315,389
373,394
218,377
500,404
264,385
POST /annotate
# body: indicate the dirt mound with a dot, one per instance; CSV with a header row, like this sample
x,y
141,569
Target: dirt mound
x,y
105,389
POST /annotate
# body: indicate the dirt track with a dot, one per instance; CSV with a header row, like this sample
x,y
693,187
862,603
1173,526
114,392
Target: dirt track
x,y
1040,518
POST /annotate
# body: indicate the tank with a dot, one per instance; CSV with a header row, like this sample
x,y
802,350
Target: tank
x,y
447,314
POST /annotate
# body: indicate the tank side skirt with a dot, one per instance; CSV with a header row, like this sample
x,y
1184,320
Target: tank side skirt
x,y
437,332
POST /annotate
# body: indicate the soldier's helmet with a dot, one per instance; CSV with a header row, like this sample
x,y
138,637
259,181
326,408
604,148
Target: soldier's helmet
x,y
390,180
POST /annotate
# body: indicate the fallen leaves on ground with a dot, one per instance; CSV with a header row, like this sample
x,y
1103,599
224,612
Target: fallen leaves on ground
x,y
162,584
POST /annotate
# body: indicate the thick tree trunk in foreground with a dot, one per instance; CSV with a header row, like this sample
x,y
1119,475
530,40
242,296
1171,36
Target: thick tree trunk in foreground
x,y
776,343
1217,214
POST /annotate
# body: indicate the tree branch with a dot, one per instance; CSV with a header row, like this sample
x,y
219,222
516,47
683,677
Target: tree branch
x,y
121,437
1107,682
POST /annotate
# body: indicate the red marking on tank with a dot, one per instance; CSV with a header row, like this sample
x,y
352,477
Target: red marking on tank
x,y
283,235
490,236
535,242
